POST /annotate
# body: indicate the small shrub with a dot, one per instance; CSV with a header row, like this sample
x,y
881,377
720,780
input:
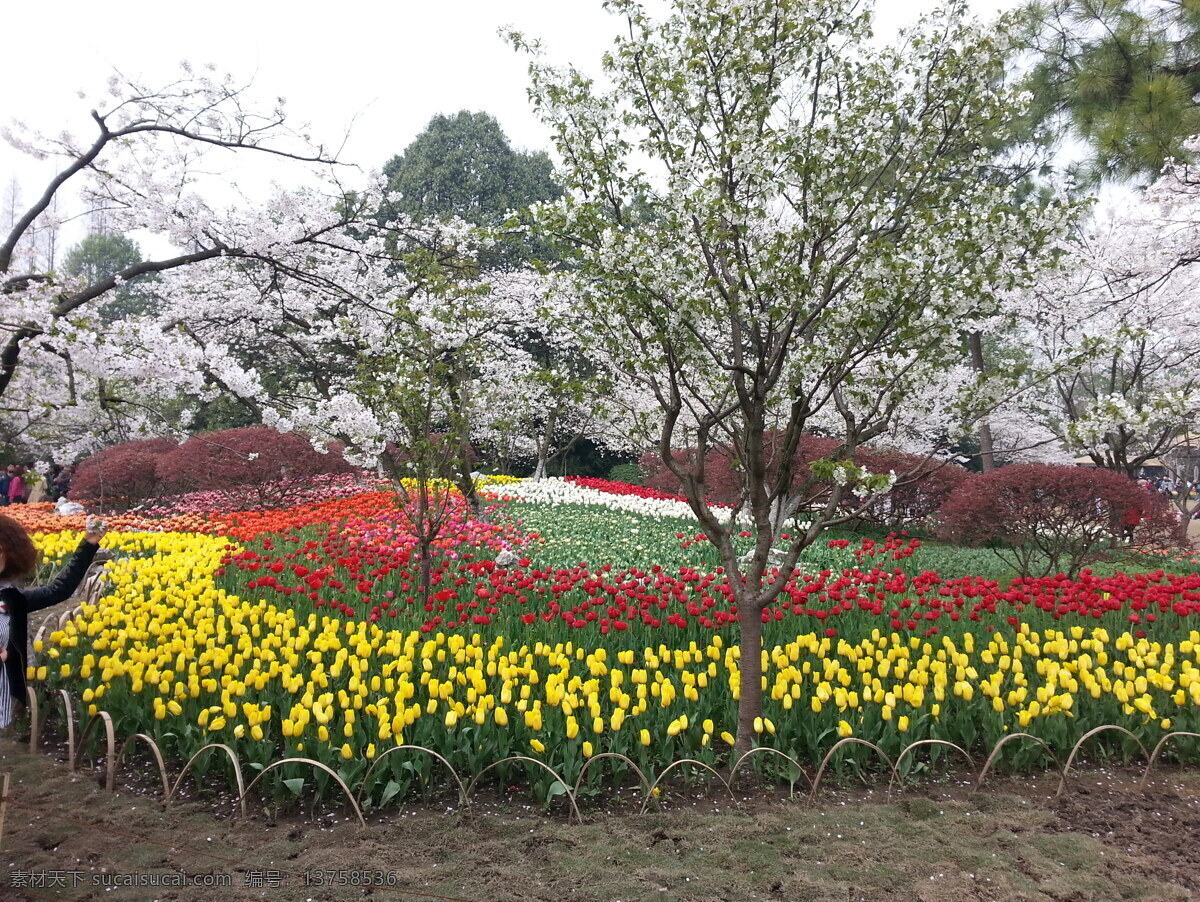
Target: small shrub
x,y
631,474
722,474
122,476
254,466
915,497
1048,519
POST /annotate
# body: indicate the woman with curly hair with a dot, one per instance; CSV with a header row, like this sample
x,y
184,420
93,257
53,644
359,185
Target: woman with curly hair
x,y
18,559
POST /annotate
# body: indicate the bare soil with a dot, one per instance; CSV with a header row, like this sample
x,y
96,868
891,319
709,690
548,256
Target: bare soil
x,y
66,838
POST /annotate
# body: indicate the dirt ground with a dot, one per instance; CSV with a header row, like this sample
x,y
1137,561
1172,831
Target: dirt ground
x,y
66,838
63,837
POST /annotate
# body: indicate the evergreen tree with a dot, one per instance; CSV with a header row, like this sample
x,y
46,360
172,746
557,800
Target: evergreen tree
x,y
1122,75
463,166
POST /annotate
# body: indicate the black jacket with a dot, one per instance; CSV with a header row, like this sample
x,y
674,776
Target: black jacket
x,y
22,602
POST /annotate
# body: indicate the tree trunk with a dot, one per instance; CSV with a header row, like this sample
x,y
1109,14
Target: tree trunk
x,y
987,453
750,677
426,555
470,493
543,452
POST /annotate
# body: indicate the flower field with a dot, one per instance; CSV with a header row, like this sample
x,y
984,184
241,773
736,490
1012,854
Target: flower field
x,y
581,619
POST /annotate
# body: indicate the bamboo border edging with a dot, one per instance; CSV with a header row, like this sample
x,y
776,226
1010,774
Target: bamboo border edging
x,y
462,795
110,758
918,744
114,758
325,767
3,805
674,764
627,760
237,770
35,724
1084,738
766,748
162,765
847,740
542,764
999,745
70,728
1158,748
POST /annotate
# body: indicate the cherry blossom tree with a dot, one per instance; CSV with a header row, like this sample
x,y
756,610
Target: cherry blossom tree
x,y
140,162
1114,329
777,223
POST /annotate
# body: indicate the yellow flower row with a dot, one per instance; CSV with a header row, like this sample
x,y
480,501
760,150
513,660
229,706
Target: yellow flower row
x,y
168,640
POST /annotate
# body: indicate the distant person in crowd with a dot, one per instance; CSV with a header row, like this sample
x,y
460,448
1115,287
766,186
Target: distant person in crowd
x,y
18,559
36,489
60,481
5,478
16,484
1130,521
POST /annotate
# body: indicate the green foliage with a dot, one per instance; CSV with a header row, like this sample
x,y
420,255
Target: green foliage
x,y
627,473
99,256
463,166
1120,74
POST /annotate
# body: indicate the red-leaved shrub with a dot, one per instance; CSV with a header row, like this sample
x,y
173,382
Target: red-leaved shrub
x,y
122,476
914,498
1054,519
923,485
253,467
723,480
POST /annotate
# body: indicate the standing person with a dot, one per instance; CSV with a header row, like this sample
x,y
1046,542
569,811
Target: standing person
x,y
18,558
1131,519
35,484
16,484
60,482
5,479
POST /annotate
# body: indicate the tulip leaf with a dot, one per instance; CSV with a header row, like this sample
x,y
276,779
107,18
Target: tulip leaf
x,y
295,784
389,792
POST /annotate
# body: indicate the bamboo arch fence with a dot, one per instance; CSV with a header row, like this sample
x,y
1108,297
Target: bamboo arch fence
x,y
115,755
466,789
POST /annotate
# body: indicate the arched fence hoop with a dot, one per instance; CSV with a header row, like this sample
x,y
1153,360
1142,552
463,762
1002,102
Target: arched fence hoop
x,y
39,636
1003,742
1062,782
35,724
158,758
543,765
70,711
848,740
674,764
1158,748
762,749
462,794
918,744
325,767
114,758
592,760
67,616
110,759
237,770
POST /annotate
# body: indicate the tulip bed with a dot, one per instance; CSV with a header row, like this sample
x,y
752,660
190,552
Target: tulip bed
x,y
578,619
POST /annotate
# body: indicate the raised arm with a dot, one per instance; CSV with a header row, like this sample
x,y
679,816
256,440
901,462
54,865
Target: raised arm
x,y
70,576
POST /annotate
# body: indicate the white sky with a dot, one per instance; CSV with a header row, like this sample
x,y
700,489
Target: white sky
x,y
379,70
